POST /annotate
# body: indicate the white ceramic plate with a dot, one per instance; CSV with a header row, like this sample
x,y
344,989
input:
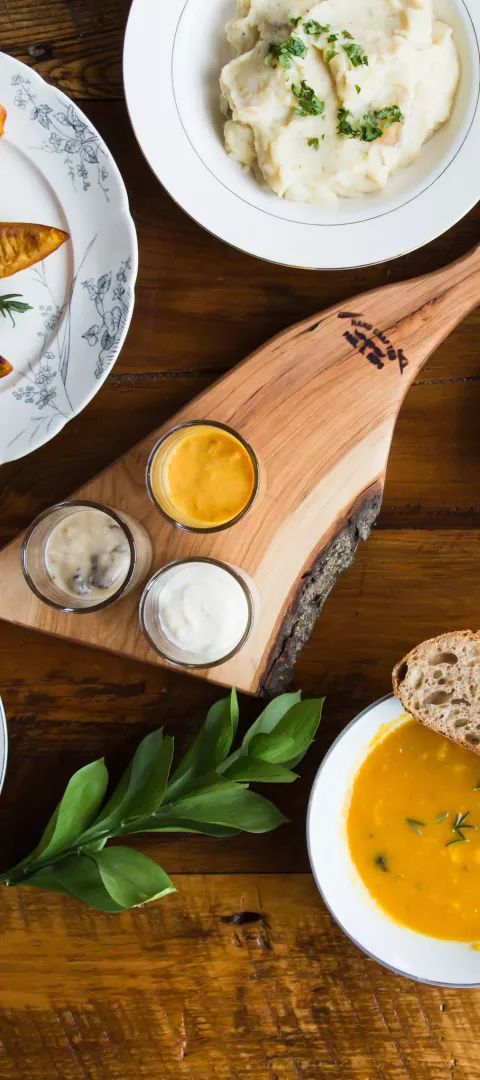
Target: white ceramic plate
x,y
425,959
3,745
172,59
56,170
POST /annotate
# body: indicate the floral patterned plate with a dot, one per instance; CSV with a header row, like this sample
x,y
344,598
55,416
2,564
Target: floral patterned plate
x,y
65,328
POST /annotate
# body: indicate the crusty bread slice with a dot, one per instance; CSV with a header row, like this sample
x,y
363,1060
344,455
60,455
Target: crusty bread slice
x,y
439,684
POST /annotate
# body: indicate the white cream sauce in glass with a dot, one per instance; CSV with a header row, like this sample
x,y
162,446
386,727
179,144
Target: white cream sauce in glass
x,y
197,612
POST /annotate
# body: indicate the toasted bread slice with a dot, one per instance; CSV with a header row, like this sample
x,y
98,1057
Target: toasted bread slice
x,y
438,683
23,244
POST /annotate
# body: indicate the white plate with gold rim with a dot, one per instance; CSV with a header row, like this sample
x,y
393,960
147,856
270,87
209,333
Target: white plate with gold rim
x,y
404,951
56,170
172,94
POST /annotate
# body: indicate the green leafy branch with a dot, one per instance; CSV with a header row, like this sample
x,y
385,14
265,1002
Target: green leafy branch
x,y
208,792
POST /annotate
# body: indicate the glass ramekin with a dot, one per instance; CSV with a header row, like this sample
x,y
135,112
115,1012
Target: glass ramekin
x,y
164,446
157,638
34,564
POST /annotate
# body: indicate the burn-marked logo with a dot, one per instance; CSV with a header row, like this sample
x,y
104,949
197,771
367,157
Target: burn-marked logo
x,y
366,344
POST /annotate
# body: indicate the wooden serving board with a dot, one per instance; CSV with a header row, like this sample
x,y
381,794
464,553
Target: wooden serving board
x,y
318,404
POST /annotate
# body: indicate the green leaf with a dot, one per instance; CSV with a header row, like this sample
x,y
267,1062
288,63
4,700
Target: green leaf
x,y
209,748
229,804
131,878
142,787
183,825
291,738
272,715
83,797
76,876
254,770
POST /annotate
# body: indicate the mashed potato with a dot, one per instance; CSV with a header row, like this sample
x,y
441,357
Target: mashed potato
x,y
332,99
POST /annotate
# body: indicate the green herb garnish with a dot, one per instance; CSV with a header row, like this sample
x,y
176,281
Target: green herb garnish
x,y
459,825
314,143
347,34
358,88
370,126
477,787
382,862
461,821
415,825
308,102
331,54
294,20
356,55
208,792
10,303
441,817
285,52
331,38
311,26
460,839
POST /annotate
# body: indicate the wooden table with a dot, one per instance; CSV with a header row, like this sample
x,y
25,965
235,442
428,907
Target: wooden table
x,y
177,989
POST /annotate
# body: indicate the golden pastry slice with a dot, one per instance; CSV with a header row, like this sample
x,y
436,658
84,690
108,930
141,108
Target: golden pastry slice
x,y
5,367
23,244
3,117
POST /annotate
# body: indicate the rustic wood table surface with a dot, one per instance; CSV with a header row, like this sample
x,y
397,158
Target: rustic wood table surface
x,y
175,989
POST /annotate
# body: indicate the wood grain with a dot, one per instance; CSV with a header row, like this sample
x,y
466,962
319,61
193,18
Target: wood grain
x,y
312,1006
318,404
275,998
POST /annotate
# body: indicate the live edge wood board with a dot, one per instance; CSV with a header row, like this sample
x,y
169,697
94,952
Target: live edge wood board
x,y
318,404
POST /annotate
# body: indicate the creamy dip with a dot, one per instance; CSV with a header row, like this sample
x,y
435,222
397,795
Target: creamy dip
x,y
202,476
202,610
333,99
87,554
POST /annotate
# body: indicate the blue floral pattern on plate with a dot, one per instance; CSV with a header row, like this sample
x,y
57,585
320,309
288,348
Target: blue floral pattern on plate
x,y
81,298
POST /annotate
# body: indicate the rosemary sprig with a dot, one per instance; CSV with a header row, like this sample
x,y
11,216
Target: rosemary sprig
x,y
460,839
461,821
441,817
10,302
459,825
415,825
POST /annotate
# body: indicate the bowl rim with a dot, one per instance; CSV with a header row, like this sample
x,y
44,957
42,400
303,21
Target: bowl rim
x,y
373,956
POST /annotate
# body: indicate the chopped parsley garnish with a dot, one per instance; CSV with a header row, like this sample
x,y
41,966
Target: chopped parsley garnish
x,y
371,125
331,54
314,143
347,34
284,52
356,55
358,88
294,20
311,26
308,102
331,38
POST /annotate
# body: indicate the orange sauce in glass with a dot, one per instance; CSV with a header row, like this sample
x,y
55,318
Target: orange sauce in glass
x,y
203,477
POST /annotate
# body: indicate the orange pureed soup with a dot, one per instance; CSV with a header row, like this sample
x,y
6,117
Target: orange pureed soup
x,y
414,831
